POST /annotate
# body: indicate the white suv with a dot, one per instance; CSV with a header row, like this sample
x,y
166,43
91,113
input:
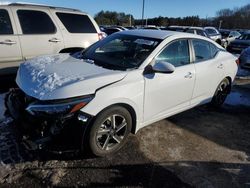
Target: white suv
x,y
28,30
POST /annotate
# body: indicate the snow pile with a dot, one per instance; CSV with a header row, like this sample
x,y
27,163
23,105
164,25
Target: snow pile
x,y
42,61
2,106
236,98
44,80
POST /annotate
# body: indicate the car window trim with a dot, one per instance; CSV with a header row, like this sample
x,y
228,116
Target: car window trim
x,y
193,52
55,26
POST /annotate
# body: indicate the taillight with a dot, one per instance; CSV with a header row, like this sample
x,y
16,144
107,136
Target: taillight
x,y
101,36
237,61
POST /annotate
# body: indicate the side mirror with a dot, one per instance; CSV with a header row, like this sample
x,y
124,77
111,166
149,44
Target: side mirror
x,y
230,36
163,67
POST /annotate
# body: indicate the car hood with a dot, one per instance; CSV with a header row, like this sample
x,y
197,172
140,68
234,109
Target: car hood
x,y
62,76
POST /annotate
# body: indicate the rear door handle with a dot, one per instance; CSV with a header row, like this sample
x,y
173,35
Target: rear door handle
x,y
54,40
189,75
8,42
220,66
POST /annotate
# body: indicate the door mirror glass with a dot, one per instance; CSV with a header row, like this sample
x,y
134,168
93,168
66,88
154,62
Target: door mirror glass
x,y
163,67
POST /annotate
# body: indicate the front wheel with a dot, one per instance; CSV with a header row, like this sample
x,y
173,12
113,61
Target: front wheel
x,y
109,131
221,93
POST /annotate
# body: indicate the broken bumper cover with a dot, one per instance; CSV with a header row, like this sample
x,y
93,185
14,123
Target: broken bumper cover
x,y
42,124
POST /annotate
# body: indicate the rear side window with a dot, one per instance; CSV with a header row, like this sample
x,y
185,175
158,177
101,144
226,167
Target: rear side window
x,y
5,23
176,53
204,50
190,31
76,23
214,50
35,22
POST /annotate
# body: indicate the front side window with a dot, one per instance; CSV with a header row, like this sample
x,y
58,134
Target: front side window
x,y
35,22
176,53
5,23
76,23
203,50
120,51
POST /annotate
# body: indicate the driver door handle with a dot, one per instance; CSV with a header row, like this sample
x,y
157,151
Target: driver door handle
x,y
189,75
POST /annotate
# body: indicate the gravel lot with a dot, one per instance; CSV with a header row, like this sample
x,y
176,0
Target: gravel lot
x,y
201,147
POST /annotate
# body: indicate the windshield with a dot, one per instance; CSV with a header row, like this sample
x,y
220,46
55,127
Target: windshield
x,y
211,31
225,34
245,37
121,52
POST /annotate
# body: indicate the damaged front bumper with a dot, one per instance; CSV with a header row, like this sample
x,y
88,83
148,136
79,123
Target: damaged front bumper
x,y
49,125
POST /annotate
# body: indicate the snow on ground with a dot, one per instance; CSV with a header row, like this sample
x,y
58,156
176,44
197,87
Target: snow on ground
x,y
2,107
236,98
243,73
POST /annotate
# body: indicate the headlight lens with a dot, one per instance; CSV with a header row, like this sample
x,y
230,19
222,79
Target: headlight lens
x,y
58,108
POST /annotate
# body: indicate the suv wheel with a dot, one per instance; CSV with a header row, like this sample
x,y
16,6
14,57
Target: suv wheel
x,y
109,131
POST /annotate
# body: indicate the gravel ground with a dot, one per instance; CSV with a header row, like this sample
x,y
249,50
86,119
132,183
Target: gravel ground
x,y
201,147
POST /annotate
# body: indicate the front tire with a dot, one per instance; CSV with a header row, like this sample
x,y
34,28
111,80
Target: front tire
x,y
109,131
221,93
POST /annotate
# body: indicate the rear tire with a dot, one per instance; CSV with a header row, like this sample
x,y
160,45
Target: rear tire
x,y
221,93
109,131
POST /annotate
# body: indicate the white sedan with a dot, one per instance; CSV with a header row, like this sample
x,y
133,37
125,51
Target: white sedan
x,y
117,86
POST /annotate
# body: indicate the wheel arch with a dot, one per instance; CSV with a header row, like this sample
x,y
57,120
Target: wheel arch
x,y
230,82
130,109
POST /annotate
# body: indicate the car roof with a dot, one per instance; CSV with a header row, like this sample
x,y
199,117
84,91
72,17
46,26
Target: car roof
x,y
163,34
152,33
200,28
20,4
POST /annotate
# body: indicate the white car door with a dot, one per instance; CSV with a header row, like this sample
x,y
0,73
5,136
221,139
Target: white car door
x,y
165,93
209,70
38,32
10,52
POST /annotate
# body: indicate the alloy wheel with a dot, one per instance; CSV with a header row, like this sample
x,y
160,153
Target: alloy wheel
x,y
111,132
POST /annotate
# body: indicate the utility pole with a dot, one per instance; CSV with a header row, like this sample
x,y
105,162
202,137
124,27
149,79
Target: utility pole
x,y
142,17
130,20
220,24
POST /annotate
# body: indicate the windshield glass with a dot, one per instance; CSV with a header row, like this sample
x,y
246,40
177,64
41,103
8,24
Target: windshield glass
x,y
245,37
225,34
121,52
211,31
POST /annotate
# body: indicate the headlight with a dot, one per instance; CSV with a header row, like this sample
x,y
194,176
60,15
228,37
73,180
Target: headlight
x,y
63,107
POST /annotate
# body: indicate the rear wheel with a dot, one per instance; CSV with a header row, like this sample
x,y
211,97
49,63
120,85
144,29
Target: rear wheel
x,y
109,131
221,93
